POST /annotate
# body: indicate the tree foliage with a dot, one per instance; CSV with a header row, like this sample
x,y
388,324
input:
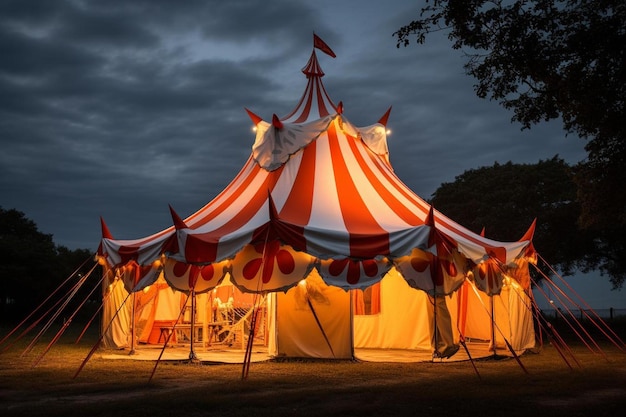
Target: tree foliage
x,y
550,59
504,199
31,265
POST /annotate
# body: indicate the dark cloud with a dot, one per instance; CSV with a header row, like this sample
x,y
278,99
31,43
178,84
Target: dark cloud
x,y
119,108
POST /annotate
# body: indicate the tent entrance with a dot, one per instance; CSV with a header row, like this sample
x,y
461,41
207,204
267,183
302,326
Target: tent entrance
x,y
221,318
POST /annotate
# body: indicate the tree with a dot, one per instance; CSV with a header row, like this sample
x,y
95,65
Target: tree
x,y
31,265
505,198
550,59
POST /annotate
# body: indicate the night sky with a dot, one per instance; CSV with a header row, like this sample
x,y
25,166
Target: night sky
x,y
119,108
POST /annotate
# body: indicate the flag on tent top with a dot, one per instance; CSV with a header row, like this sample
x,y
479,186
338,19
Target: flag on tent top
x,y
321,45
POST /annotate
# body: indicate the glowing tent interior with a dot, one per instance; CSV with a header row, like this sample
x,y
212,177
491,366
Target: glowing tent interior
x,y
321,242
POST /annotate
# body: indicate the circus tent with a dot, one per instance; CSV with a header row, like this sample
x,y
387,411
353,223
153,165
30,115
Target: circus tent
x,y
318,197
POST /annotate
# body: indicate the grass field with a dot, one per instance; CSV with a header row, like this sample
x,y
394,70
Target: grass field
x,y
596,386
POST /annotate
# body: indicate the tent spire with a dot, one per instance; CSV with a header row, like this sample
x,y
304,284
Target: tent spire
x,y
383,120
255,119
315,102
178,222
106,234
530,232
276,122
530,250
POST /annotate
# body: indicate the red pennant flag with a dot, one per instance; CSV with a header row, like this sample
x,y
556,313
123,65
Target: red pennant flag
x,y
321,45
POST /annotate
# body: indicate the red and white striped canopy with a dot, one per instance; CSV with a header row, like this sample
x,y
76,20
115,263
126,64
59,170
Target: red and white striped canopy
x,y
319,192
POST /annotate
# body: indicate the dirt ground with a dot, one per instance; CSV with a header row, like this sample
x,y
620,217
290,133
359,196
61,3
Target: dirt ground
x,y
582,382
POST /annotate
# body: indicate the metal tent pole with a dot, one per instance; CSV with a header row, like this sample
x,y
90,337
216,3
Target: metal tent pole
x,y
192,354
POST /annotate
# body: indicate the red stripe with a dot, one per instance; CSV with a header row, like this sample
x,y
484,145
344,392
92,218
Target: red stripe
x,y
207,213
402,211
400,187
367,238
297,208
299,204
245,170
202,247
304,112
131,252
323,111
499,252
304,96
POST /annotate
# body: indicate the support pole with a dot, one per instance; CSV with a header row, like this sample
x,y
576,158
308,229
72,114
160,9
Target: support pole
x,y
493,325
132,325
192,353
435,338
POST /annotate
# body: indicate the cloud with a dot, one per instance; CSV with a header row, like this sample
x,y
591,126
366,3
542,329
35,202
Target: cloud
x,y
119,108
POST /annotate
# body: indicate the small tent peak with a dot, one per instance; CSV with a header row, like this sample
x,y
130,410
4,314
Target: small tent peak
x,y
340,108
178,222
530,232
255,119
385,118
106,234
276,122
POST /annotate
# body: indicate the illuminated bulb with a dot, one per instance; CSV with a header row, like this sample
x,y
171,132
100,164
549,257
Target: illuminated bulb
x,y
254,128
388,132
302,282
102,261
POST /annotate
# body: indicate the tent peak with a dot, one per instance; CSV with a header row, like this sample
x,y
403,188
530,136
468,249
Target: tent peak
x,y
255,119
276,122
530,232
178,222
106,234
383,120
